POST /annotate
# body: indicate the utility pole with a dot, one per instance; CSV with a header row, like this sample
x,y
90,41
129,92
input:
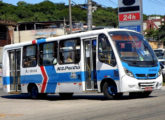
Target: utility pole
x,y
64,26
70,16
89,14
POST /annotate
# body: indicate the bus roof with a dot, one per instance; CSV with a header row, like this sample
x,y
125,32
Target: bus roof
x,y
74,35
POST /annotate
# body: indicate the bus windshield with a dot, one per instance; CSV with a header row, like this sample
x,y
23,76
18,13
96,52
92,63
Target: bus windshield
x,y
133,49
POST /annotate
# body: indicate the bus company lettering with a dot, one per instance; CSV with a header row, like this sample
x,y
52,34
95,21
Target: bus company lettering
x,y
31,71
68,68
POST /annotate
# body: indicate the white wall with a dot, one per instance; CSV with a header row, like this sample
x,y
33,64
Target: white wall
x,y
29,35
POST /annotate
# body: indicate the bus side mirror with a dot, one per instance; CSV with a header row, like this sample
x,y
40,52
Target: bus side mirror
x,y
55,61
104,45
113,59
103,40
113,62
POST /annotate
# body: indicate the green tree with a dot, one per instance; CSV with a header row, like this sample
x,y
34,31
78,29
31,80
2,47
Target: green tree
x,y
49,11
161,32
105,17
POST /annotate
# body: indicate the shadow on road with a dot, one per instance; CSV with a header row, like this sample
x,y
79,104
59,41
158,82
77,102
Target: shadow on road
x,y
75,97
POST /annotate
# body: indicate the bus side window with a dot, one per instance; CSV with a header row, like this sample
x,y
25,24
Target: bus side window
x,y
105,51
48,53
69,51
30,56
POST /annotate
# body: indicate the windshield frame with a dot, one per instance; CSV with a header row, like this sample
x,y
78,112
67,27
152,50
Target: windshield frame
x,y
140,63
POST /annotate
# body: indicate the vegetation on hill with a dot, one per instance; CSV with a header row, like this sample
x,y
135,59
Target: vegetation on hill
x,y
49,11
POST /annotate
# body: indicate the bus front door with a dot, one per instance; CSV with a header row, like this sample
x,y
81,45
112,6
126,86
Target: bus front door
x,y
15,58
90,64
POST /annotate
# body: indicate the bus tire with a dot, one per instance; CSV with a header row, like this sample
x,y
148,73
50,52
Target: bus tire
x,y
66,95
110,91
33,91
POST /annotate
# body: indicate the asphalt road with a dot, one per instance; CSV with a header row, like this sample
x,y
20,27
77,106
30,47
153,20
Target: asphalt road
x,y
82,107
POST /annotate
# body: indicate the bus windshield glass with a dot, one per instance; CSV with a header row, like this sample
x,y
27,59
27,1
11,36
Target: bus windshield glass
x,y
133,48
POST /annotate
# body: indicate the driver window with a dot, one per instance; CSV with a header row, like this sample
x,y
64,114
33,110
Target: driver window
x,y
105,51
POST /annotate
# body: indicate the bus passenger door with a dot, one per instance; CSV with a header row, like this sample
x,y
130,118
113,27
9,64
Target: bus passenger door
x,y
90,64
14,59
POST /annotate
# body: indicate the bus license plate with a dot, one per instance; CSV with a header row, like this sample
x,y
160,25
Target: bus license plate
x,y
148,89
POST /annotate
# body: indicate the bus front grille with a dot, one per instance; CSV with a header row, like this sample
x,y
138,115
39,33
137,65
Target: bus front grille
x,y
146,76
144,85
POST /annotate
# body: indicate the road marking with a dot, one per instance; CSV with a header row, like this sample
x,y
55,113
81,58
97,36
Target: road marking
x,y
2,115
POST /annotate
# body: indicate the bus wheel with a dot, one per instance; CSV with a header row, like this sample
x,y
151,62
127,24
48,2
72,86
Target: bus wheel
x,y
33,92
66,95
110,91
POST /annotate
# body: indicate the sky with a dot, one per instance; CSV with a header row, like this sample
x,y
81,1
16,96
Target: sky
x,y
149,6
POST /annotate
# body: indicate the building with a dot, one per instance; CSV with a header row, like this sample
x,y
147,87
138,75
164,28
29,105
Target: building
x,y
6,34
156,44
153,23
27,31
6,37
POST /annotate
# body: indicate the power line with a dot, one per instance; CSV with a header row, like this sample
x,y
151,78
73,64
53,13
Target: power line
x,y
108,3
113,2
100,1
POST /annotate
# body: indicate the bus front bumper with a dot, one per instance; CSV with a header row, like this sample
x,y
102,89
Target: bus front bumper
x,y
130,84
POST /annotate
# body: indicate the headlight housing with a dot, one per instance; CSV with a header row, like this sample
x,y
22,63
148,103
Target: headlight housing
x,y
129,73
159,72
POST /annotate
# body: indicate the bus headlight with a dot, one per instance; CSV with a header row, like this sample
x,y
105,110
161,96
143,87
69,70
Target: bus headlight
x,y
160,72
129,73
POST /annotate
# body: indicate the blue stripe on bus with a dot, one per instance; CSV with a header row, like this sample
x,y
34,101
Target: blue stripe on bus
x,y
102,74
25,79
39,41
67,77
6,80
82,74
142,70
52,79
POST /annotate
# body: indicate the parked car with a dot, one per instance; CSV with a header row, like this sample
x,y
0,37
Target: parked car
x,y
160,53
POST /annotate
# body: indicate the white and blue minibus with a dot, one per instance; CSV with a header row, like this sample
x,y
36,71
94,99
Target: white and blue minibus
x,y
112,61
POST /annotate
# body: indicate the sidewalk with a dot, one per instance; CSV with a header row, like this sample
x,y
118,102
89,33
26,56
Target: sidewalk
x,y
163,88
